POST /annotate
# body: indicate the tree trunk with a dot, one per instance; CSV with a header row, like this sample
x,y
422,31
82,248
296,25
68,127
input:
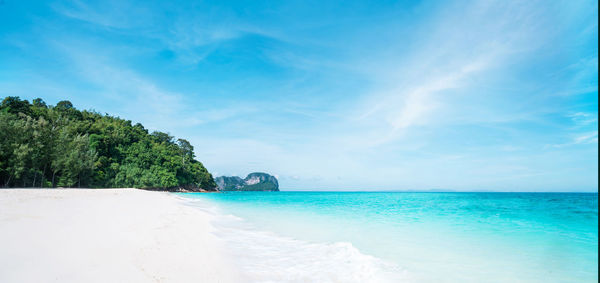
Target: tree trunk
x,y
53,173
43,177
34,178
8,181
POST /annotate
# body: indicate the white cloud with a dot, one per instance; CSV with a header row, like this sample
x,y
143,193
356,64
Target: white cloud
x,y
577,139
583,118
107,14
590,137
416,92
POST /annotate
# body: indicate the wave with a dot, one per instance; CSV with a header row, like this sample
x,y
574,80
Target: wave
x,y
264,256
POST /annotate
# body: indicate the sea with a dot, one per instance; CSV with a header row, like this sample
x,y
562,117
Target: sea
x,y
407,237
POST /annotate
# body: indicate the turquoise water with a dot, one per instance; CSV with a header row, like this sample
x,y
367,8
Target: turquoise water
x,y
414,237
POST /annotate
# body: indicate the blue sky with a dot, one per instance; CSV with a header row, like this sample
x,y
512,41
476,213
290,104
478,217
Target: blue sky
x,y
339,95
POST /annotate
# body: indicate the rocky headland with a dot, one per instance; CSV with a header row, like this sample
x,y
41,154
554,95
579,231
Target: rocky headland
x,y
253,182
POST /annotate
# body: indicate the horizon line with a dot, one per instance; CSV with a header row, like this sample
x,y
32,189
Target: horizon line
x,y
434,191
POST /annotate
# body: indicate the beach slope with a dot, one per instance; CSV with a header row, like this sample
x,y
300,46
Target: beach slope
x,y
106,235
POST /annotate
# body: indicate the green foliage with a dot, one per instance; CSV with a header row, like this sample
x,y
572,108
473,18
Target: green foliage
x,y
38,102
64,105
14,105
43,146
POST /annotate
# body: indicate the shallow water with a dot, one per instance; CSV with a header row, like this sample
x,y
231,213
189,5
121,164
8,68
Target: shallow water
x,y
412,237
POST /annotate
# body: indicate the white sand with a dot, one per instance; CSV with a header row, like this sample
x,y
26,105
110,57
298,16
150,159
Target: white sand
x,y
116,235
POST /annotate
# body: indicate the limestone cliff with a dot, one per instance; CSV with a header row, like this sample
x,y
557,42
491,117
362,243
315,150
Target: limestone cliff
x,y
253,182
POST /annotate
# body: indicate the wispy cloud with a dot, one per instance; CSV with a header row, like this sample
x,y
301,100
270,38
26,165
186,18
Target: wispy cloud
x,y
107,14
578,139
135,96
193,34
584,118
591,137
449,61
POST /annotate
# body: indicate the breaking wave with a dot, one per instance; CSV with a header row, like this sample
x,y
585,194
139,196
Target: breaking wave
x,y
264,256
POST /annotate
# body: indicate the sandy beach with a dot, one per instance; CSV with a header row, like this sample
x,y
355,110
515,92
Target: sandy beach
x,y
106,235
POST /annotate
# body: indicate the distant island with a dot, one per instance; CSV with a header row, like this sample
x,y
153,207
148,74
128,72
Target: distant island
x,y
59,146
253,182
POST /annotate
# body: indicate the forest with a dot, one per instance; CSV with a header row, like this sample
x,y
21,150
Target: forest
x,y
60,146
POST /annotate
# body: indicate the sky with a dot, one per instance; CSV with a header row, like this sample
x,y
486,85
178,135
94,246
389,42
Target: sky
x,y
332,95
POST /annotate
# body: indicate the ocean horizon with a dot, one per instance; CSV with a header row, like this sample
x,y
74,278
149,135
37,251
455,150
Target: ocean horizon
x,y
434,191
383,236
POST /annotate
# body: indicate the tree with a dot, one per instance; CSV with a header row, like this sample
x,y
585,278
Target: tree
x,y
186,149
38,102
15,105
62,146
81,159
64,105
162,137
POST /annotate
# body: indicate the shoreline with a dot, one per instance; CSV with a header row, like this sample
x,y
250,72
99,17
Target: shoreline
x,y
84,188
107,235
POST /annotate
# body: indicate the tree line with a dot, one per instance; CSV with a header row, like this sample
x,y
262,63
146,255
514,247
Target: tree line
x,y
60,146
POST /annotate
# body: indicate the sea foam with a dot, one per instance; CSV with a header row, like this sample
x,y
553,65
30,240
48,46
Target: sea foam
x,y
264,256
